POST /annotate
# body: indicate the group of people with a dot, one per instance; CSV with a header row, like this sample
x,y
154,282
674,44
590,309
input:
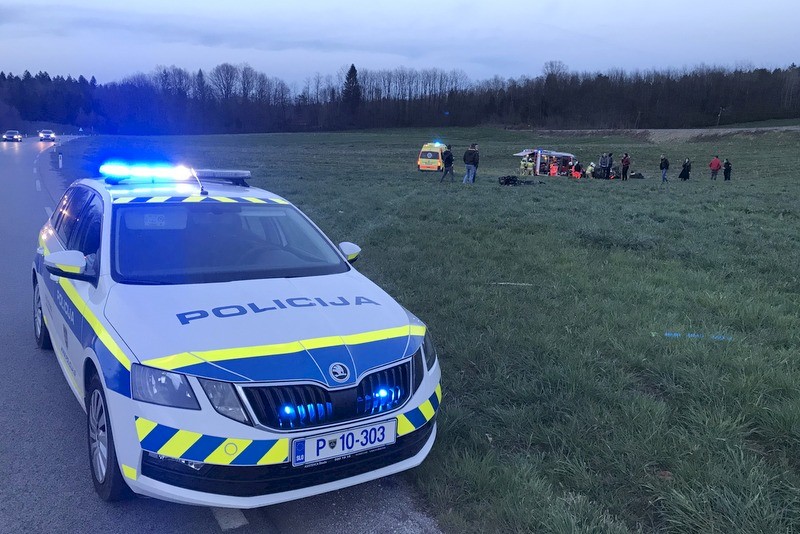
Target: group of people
x,y
715,165
606,164
471,160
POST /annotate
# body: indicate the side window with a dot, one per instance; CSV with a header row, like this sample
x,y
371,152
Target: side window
x,y
69,210
86,236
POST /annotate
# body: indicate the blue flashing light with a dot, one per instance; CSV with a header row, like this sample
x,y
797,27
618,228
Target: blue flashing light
x,y
145,172
288,410
382,393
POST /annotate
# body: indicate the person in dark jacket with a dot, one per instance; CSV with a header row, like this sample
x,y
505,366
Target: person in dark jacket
x,y
626,164
686,171
609,165
447,159
726,170
471,160
664,166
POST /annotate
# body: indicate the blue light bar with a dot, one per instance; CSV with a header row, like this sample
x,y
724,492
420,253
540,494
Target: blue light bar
x,y
145,172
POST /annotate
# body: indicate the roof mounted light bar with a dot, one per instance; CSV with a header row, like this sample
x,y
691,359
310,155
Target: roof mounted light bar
x,y
116,172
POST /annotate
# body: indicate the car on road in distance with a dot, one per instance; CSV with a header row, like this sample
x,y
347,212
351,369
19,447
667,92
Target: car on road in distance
x,y
430,157
12,135
47,135
226,352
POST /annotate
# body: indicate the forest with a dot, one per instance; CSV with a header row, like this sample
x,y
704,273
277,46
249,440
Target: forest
x,y
233,98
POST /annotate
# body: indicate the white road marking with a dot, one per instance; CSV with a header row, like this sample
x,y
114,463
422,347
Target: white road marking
x,y
38,185
229,518
34,170
511,284
48,211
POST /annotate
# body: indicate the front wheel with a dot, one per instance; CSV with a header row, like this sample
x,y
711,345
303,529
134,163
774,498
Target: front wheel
x,y
40,331
107,478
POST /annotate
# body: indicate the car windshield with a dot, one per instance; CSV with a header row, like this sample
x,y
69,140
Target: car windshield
x,y
47,132
189,243
12,132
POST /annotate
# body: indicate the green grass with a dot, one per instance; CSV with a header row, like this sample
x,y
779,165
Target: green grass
x,y
565,407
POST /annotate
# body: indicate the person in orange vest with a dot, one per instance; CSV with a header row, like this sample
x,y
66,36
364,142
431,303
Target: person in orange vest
x,y
715,166
553,168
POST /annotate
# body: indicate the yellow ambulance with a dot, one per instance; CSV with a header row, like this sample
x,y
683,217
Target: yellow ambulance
x,y
430,157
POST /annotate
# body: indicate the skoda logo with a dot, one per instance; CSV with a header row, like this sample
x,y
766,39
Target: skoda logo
x,y
339,372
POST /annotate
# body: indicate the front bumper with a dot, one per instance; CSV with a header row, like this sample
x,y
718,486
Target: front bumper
x,y
254,469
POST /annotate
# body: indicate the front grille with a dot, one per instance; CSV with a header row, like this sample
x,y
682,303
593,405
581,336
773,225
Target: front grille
x,y
250,481
301,406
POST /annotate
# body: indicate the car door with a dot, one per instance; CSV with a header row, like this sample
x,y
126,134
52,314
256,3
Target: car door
x,y
85,238
61,312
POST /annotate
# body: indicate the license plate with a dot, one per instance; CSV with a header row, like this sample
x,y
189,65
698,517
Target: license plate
x,y
343,443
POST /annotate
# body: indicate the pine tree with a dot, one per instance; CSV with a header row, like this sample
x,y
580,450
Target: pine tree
x,y
351,92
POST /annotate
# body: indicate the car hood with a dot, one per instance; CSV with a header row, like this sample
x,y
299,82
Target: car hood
x,y
266,330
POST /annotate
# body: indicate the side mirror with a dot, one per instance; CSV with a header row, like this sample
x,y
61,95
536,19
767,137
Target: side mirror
x,y
67,263
350,251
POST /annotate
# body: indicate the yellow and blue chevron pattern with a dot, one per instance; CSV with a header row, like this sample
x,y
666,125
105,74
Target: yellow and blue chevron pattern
x,y
196,198
168,441
415,419
195,447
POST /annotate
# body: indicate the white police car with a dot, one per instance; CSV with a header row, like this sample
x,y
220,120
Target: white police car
x,y
225,351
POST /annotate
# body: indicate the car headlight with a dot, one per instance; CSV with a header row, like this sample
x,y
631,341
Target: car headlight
x,y
224,399
429,350
162,387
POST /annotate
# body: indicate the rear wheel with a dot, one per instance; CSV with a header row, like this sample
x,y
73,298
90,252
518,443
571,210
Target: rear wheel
x,y
39,328
108,481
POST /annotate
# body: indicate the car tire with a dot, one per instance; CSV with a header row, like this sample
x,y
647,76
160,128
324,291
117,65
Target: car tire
x,y
40,331
106,476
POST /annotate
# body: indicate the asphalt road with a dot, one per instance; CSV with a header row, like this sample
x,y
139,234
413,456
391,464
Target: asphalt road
x,y
45,485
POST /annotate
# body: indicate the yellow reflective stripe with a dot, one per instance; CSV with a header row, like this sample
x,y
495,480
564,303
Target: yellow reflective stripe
x,y
439,392
99,329
196,198
223,199
175,361
123,200
184,359
144,427
427,410
277,454
227,451
129,471
353,256
404,426
417,330
179,443
157,199
278,201
68,268
255,200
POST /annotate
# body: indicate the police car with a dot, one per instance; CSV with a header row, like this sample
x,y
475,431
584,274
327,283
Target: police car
x,y
225,351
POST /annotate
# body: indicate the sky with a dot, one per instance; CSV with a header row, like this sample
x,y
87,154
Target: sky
x,y
294,40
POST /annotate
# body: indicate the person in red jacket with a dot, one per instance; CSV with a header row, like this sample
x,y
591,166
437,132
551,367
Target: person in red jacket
x,y
715,166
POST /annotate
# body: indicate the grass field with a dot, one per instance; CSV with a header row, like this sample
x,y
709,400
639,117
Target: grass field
x,y
566,407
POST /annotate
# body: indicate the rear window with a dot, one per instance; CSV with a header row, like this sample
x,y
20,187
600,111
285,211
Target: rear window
x,y
429,154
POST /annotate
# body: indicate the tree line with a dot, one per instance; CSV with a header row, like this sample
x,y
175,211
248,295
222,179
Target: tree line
x,y
238,99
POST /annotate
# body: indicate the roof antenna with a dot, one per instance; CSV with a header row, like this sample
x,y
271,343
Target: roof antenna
x,y
203,191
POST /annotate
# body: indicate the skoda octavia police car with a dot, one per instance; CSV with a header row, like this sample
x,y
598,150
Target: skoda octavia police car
x,y
225,351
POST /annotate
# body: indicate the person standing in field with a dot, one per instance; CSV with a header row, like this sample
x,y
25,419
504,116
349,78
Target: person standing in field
x,y
447,159
471,160
715,166
726,170
626,164
686,171
664,166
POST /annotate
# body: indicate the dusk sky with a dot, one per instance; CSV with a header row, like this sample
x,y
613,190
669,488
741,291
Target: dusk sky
x,y
294,40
